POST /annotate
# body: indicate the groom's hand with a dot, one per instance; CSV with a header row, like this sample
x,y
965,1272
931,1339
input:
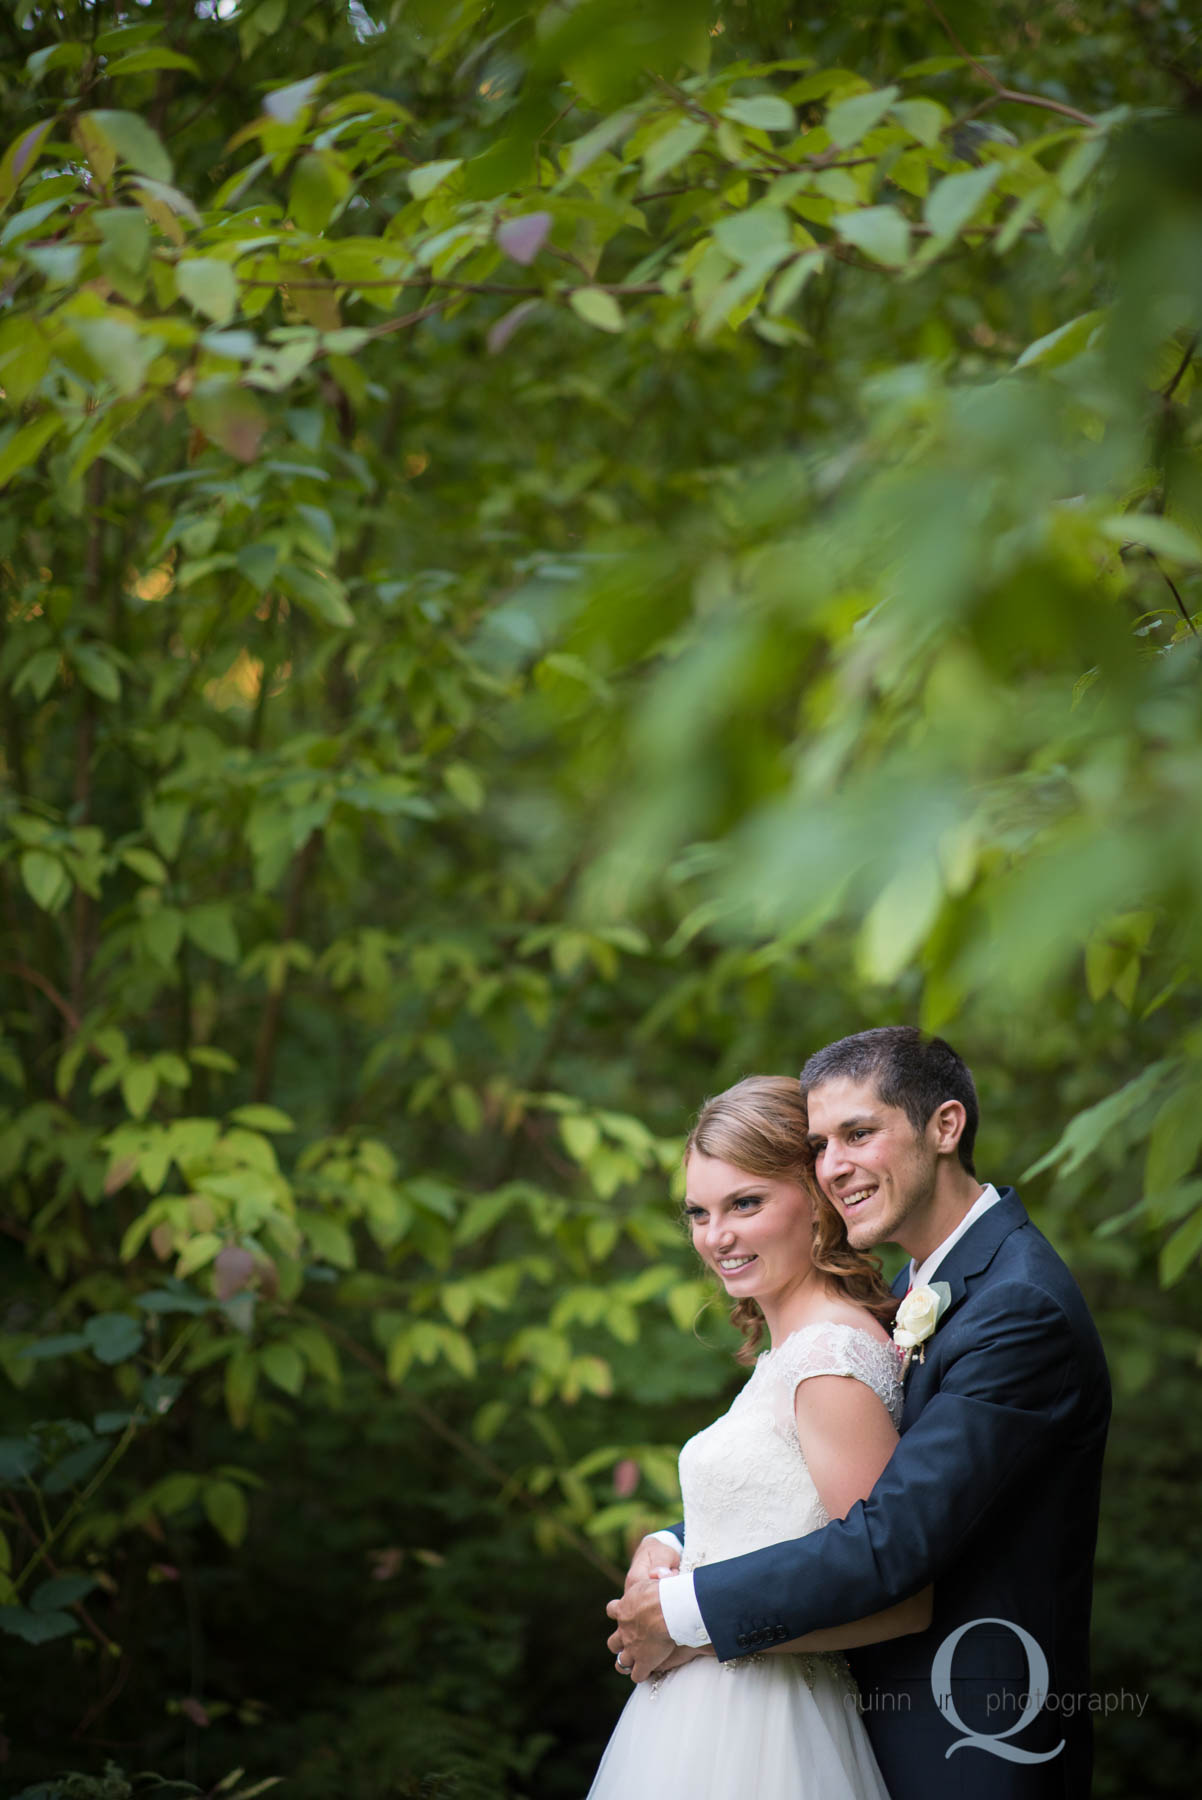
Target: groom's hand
x,y
652,1553
641,1638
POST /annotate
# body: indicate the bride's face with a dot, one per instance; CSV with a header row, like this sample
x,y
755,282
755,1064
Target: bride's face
x,y
755,1233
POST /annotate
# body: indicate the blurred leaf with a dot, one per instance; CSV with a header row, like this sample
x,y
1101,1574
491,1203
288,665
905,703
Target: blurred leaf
x,y
597,308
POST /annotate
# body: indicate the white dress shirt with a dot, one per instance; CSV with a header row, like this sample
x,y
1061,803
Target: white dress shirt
x,y
677,1600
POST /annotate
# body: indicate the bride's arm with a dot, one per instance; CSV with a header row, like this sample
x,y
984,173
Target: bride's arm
x,y
847,1437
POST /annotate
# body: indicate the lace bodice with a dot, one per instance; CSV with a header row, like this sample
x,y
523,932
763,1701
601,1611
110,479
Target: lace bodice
x,y
744,1479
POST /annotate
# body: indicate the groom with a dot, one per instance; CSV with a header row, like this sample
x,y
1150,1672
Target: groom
x,y
992,1492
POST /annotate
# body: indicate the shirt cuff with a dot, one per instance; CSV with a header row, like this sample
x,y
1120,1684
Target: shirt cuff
x,y
670,1538
682,1615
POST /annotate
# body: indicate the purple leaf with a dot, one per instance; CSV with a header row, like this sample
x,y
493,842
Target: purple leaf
x,y
523,238
232,1270
626,1477
500,333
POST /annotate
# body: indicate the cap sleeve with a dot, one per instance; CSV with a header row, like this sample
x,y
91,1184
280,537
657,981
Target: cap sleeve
x,y
830,1347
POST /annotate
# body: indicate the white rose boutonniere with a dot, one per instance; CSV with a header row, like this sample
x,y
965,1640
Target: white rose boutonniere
x,y
917,1317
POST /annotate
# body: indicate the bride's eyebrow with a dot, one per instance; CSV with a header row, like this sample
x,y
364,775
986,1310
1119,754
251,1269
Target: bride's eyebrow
x,y
741,1193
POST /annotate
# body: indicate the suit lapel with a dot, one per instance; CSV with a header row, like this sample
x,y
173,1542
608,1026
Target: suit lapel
x,y
969,1256
977,1248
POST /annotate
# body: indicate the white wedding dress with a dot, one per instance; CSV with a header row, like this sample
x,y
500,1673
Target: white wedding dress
x,y
767,1727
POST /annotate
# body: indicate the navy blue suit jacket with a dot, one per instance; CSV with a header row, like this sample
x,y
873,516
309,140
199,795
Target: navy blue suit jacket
x,y
992,1496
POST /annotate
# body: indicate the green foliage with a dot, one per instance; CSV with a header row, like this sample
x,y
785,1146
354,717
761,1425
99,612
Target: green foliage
x,y
535,542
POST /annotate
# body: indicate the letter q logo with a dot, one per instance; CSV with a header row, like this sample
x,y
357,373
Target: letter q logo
x,y
1037,1687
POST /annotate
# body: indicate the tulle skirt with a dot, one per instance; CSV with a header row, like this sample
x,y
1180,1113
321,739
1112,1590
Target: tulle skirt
x,y
772,1728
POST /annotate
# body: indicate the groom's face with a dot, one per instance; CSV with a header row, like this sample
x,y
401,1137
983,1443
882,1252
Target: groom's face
x,y
874,1168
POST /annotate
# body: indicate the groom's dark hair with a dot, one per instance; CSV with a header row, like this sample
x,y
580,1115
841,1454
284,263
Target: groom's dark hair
x,y
909,1070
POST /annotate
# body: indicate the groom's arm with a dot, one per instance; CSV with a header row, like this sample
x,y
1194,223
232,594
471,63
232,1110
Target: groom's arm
x,y
999,1403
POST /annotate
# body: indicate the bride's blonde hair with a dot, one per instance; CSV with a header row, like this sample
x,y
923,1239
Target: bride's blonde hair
x,y
760,1126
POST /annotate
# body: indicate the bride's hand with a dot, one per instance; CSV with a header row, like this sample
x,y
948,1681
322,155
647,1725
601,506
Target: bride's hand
x,y
681,1655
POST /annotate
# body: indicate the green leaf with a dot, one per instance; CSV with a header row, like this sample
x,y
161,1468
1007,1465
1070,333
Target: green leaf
x,y
19,1457
46,881
1084,1133
320,183
899,921
427,176
792,280
211,929
72,1470
749,236
763,112
881,232
669,151
849,120
61,1591
1061,345
145,62
114,1337
241,1380
139,1085
1163,537
97,671
952,202
321,593
196,1253
282,1364
232,418
130,140
598,308
226,1510
36,1627
58,263
262,1118
329,1241
20,158
288,103
1175,1256
923,119
62,1345
462,781
1175,1140
581,1135
209,287
585,150
121,353
465,1104
146,864
162,932
26,444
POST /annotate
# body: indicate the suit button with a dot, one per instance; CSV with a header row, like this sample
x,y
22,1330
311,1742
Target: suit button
x,y
741,1640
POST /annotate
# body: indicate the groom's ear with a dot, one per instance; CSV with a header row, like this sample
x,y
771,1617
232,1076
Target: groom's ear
x,y
946,1126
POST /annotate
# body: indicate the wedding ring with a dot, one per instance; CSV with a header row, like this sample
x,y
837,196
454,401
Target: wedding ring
x,y
619,1664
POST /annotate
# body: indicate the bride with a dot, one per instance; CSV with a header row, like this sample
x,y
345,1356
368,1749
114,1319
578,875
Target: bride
x,y
806,1437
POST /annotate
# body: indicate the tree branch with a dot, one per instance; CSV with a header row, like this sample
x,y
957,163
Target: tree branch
x,y
1000,91
36,979
270,1029
1173,589
1179,372
469,1451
